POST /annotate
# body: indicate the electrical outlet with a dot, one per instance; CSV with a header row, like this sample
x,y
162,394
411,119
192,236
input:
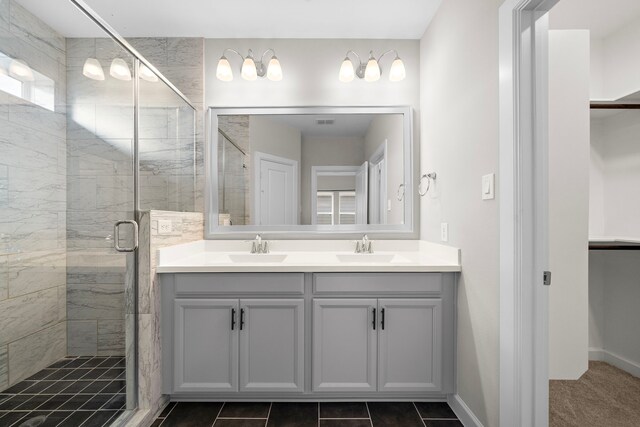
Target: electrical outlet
x,y
165,226
444,231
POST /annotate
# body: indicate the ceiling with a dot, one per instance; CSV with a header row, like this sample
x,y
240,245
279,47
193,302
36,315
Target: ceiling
x,y
601,17
344,125
366,19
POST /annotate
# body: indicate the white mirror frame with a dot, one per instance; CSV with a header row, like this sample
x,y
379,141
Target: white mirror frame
x,y
407,230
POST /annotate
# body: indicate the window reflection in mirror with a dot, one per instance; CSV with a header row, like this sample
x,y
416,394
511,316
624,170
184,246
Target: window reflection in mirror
x,y
310,169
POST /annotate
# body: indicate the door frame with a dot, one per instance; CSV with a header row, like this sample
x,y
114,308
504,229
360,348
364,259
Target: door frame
x,y
378,156
523,67
317,171
257,179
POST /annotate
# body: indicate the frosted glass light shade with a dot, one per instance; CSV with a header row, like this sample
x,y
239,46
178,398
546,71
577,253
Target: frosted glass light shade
x,y
372,72
397,72
120,70
274,70
347,72
147,75
249,71
224,72
92,69
21,71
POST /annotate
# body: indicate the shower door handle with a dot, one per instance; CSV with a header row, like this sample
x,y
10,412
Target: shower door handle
x,y
116,233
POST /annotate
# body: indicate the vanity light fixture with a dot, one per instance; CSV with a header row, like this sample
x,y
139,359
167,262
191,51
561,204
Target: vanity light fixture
x,y
93,69
19,69
251,69
371,71
120,70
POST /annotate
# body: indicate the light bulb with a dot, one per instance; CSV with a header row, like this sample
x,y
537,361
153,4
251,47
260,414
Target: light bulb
x,y
120,70
372,72
249,71
21,71
92,69
224,72
346,71
147,75
274,70
397,72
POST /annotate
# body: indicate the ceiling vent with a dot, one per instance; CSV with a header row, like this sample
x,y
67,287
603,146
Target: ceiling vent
x,y
325,121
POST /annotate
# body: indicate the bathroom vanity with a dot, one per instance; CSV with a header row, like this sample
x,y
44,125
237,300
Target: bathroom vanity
x,y
295,324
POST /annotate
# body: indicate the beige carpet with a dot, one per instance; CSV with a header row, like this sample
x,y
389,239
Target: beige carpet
x,y
604,396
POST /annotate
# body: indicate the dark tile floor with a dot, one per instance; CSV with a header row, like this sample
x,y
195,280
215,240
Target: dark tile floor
x,y
74,392
347,414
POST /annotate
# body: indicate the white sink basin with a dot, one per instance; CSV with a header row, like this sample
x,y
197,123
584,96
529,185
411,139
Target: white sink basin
x,y
370,258
257,258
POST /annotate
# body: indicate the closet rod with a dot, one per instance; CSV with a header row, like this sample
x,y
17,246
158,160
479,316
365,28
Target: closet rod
x,y
597,106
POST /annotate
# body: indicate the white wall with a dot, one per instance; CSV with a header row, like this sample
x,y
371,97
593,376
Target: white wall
x,y
596,180
389,128
326,151
569,153
621,62
459,95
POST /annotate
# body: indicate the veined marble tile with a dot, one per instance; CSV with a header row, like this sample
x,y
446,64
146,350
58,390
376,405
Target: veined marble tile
x,y
4,104
27,148
26,314
33,116
189,80
37,351
82,337
25,25
78,50
4,14
95,301
182,123
4,186
34,271
81,121
81,90
154,122
97,157
185,51
62,302
111,341
115,193
149,365
28,230
114,121
154,49
4,363
81,193
17,47
37,191
4,276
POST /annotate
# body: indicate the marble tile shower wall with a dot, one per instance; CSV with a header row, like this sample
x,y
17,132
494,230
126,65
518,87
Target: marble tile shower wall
x,y
237,197
32,205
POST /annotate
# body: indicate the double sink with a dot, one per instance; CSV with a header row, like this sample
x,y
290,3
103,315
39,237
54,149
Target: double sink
x,y
274,258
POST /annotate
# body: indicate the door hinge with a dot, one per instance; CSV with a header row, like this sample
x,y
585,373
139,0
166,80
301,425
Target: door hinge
x,y
546,278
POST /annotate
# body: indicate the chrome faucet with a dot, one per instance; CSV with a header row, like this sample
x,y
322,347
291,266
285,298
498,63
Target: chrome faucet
x,y
259,246
364,246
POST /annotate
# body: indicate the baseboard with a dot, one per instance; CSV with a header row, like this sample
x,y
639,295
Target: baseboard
x,y
596,354
462,411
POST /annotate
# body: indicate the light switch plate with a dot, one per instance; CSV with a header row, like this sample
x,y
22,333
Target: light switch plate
x,y
488,186
444,231
165,226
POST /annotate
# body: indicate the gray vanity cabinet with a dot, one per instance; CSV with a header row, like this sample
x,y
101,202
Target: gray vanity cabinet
x,y
272,345
206,345
344,345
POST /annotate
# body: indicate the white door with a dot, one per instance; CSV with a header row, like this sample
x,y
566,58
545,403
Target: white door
x,y
272,345
362,193
206,345
276,190
410,345
344,345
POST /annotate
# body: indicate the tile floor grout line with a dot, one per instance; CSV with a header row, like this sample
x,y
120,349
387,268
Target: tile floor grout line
x,y
318,414
369,412
419,414
268,414
217,415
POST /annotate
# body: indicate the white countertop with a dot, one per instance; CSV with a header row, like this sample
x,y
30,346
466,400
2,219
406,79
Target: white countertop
x,y
308,256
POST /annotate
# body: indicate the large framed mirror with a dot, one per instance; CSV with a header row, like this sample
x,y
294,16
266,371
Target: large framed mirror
x,y
310,171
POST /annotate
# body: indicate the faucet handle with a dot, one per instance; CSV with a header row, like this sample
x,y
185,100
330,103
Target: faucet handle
x,y
254,247
358,247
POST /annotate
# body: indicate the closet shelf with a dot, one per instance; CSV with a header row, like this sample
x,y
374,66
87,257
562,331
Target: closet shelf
x,y
614,243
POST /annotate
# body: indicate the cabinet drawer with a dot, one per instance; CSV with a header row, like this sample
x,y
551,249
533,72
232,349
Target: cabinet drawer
x,y
377,283
239,283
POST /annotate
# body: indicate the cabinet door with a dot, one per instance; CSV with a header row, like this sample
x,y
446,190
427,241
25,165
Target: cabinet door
x,y
344,345
206,345
272,345
410,345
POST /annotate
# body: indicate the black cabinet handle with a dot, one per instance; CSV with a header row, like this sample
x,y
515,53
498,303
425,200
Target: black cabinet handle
x,y
233,318
382,318
241,318
373,323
